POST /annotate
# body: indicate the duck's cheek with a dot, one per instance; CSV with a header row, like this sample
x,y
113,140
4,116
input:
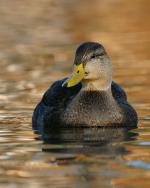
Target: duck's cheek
x,y
92,71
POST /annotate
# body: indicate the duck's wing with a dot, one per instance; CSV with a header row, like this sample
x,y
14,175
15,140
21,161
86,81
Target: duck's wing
x,y
57,95
117,92
130,114
53,102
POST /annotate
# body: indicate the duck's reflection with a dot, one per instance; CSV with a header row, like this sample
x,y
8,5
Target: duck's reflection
x,y
87,140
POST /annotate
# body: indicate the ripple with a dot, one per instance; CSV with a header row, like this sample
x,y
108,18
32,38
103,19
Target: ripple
x,y
146,143
139,163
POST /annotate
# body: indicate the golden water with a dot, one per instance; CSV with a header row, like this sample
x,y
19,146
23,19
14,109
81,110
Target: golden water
x,y
37,43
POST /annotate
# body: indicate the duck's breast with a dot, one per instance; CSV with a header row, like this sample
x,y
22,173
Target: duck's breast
x,y
93,108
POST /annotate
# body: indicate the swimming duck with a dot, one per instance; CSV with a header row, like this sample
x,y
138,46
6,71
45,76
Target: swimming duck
x,y
88,98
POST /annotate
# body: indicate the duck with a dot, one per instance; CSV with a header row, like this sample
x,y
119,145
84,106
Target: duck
x,y
87,98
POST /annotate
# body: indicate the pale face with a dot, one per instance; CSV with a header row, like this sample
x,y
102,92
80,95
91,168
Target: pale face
x,y
91,65
98,68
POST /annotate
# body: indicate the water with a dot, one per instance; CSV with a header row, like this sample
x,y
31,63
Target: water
x,y
37,43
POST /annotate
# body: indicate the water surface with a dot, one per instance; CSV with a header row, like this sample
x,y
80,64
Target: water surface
x,y
37,43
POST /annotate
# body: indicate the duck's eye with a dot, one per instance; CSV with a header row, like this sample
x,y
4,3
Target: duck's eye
x,y
93,56
96,55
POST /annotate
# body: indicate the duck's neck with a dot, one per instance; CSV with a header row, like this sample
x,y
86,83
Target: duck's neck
x,y
96,85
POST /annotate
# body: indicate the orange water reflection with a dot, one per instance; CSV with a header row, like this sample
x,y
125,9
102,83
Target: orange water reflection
x,y
37,43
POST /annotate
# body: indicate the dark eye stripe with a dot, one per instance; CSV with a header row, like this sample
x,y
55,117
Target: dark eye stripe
x,y
96,55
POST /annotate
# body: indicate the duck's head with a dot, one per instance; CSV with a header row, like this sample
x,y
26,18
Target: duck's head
x,y
91,65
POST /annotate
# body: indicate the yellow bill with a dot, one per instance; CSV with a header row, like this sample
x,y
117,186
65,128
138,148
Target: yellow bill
x,y
77,76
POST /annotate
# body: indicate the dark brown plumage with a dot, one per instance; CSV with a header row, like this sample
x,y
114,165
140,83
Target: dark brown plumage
x,y
94,101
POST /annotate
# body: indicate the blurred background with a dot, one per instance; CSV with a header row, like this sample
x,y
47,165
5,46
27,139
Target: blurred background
x,y
38,39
